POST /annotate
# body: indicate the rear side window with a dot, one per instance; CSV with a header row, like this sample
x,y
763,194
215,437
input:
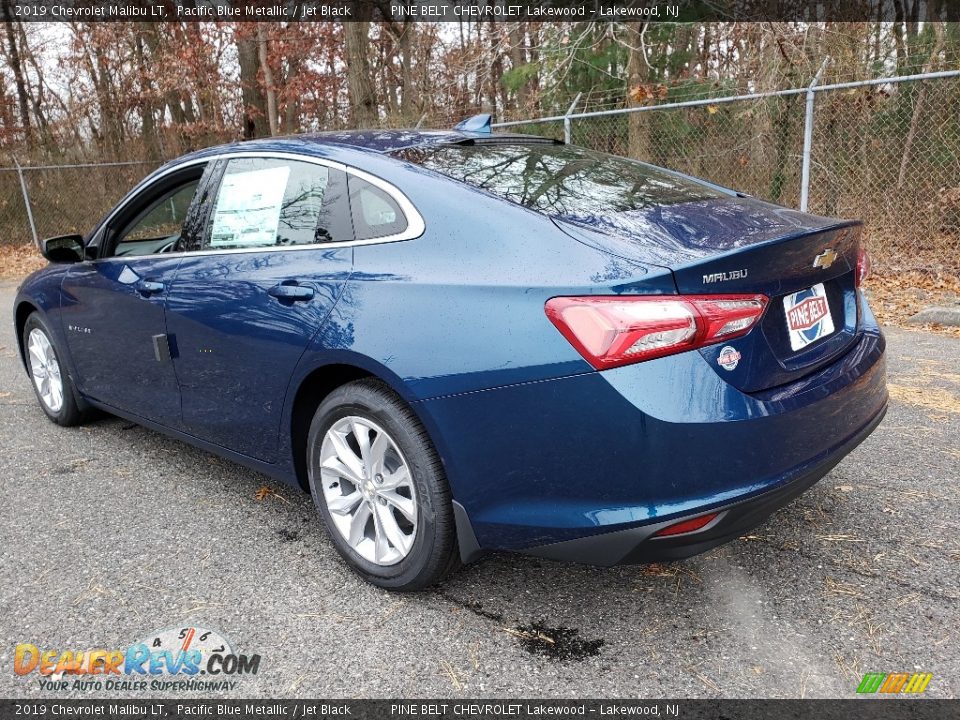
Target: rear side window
x,y
265,202
559,180
375,213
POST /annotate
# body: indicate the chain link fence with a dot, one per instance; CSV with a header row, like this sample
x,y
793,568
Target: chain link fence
x,y
887,152
45,200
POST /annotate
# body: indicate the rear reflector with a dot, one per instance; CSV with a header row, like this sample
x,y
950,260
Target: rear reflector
x,y
686,526
611,331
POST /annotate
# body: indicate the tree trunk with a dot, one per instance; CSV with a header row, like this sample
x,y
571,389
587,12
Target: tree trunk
x,y
291,110
148,126
918,107
263,52
363,104
255,122
518,58
638,129
897,30
409,102
16,65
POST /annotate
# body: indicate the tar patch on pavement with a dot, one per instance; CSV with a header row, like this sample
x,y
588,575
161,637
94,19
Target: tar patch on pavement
x,y
288,535
560,643
474,606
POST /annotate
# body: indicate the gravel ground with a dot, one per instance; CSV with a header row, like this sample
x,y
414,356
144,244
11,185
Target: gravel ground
x,y
111,531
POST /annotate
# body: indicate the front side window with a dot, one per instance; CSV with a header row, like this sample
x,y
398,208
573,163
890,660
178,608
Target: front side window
x,y
157,227
269,202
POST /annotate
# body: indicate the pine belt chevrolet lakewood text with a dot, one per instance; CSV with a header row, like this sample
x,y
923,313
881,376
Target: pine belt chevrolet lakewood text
x,y
460,341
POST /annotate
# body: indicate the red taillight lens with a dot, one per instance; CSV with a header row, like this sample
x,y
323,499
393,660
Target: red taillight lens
x,y
611,331
863,266
686,526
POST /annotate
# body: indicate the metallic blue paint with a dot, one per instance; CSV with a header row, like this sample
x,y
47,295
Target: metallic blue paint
x,y
538,447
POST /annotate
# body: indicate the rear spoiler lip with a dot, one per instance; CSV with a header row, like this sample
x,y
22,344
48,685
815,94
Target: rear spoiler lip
x,y
800,234
570,226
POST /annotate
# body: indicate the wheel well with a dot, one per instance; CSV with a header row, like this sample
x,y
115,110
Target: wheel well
x,y
312,391
24,310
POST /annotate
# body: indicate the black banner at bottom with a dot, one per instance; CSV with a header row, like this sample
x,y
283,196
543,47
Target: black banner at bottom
x,y
874,708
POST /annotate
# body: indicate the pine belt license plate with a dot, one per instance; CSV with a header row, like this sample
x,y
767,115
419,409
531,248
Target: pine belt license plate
x,y
808,316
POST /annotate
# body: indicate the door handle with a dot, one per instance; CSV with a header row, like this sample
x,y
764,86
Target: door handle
x,y
149,287
291,292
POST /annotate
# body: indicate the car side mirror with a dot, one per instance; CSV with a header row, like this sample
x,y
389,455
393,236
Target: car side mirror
x,y
63,249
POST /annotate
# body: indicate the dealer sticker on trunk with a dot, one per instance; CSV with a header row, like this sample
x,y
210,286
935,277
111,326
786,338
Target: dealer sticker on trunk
x,y
808,316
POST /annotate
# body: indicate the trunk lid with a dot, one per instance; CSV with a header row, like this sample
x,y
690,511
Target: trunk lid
x,y
803,263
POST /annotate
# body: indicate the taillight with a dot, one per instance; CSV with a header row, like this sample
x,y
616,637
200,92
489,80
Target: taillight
x,y
863,266
611,331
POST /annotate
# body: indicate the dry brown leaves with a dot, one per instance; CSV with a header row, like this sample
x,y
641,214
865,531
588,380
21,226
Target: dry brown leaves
x,y
265,491
894,297
18,261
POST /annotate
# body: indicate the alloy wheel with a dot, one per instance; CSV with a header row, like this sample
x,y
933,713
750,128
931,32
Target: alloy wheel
x,y
45,370
368,490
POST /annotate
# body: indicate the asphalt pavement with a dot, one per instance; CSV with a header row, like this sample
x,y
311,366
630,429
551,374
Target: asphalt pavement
x,y
110,532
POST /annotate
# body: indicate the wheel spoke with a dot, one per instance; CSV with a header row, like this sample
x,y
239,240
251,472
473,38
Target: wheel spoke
x,y
398,478
378,453
391,530
36,355
336,466
56,395
361,433
346,454
358,525
403,504
345,504
381,545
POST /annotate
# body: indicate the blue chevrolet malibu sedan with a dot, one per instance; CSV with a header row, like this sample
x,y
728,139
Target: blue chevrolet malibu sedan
x,y
461,341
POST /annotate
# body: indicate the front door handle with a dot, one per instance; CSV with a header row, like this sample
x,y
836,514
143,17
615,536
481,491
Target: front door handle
x,y
149,287
291,292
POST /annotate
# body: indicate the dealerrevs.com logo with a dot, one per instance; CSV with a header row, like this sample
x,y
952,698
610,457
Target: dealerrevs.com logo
x,y
189,658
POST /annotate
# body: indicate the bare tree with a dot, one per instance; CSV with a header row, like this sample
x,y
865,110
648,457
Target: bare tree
x,y
17,66
254,123
363,104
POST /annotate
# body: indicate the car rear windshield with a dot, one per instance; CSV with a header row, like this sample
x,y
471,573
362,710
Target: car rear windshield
x,y
559,180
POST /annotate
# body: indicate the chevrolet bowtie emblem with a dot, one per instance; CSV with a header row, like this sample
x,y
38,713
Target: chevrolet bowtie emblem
x,y
825,259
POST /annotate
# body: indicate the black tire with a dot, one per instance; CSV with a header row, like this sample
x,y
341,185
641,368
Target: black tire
x,y
69,412
434,552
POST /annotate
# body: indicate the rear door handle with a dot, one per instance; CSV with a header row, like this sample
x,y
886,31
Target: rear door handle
x,y
149,287
291,292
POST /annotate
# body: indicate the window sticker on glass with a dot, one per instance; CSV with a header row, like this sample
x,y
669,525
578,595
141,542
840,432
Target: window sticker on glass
x,y
247,213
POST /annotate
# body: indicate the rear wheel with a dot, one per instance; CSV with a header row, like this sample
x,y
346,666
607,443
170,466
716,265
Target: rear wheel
x,y
380,487
50,380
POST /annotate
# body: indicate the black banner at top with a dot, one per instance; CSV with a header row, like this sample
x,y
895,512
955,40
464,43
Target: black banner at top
x,y
481,10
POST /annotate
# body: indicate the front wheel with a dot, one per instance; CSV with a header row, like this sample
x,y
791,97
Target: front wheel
x,y
380,487
50,380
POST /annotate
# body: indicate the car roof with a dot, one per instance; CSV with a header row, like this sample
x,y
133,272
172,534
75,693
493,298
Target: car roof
x,y
378,142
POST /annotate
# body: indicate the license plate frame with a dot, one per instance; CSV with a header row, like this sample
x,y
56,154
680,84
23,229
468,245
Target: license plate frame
x,y
808,317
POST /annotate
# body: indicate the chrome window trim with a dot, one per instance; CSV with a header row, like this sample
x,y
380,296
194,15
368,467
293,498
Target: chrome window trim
x,y
415,223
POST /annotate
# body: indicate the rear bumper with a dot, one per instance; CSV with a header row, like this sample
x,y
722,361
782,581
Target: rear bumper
x,y
589,466
639,544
